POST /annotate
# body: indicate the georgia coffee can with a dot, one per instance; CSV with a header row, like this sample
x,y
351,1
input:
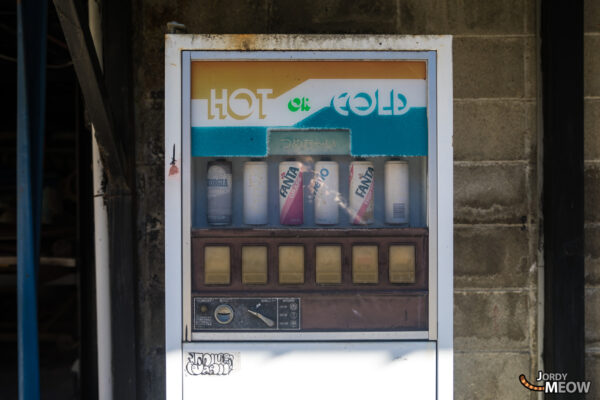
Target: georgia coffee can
x,y
219,192
291,201
362,192
396,192
255,193
325,191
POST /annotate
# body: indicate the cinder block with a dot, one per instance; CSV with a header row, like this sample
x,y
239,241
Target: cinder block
x,y
463,16
149,78
150,141
494,130
486,17
490,376
150,199
531,10
592,193
149,103
591,64
531,65
591,120
150,231
150,275
592,317
232,16
149,81
492,321
332,16
491,193
149,179
592,373
495,257
592,256
488,67
148,91
591,16
414,17
150,272
149,26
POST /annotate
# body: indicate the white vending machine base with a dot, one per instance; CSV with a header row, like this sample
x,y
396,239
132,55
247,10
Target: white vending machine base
x,y
310,370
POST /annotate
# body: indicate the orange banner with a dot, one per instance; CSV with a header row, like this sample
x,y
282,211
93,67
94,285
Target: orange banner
x,y
282,76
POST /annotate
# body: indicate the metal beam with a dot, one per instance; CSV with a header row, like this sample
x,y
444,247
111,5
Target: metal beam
x,y
31,94
116,53
123,293
562,98
92,84
108,102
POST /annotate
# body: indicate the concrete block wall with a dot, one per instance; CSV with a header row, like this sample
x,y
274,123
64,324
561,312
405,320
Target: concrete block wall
x,y
496,198
495,144
592,192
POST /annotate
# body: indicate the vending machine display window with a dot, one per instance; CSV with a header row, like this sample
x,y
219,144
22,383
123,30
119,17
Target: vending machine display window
x,y
308,185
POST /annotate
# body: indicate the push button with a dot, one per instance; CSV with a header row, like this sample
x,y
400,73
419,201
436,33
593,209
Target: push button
x,y
254,265
291,264
402,264
217,265
329,264
365,264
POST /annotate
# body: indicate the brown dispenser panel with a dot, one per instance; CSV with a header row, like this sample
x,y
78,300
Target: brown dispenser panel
x,y
327,304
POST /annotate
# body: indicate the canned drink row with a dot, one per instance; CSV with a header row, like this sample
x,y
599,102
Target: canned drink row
x,y
325,191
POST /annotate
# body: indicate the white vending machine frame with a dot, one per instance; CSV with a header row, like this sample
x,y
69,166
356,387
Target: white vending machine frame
x,y
297,352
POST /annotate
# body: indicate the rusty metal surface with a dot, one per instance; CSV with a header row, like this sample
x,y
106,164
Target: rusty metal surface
x,y
249,42
367,312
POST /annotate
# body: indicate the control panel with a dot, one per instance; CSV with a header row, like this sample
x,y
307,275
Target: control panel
x,y
246,314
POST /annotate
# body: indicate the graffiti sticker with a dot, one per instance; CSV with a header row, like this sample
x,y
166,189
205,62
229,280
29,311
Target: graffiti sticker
x,y
209,363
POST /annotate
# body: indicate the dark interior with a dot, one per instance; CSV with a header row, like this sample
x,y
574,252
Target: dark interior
x,y
66,248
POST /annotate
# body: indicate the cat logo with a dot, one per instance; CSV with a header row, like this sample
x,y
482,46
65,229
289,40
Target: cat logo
x,y
555,383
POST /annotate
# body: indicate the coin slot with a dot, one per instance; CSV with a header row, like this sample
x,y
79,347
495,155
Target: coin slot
x,y
224,314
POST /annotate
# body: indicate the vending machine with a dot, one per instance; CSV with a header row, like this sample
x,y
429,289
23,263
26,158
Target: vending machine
x,y
308,212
